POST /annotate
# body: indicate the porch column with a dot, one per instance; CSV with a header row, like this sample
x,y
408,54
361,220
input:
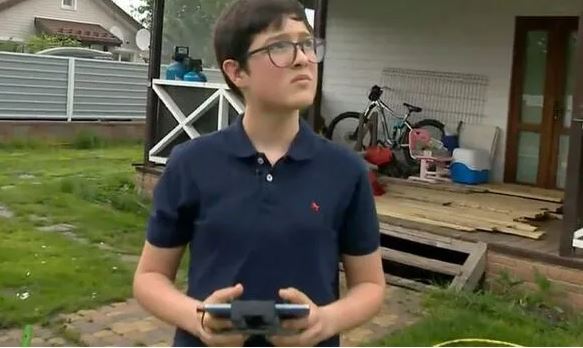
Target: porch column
x,y
153,73
320,20
573,206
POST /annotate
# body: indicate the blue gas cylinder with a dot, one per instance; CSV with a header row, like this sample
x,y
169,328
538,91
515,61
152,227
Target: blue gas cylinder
x,y
195,76
175,71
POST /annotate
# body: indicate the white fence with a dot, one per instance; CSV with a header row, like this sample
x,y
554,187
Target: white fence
x,y
37,87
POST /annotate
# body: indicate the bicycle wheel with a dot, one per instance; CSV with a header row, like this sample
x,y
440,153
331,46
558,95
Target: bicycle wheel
x,y
434,127
344,130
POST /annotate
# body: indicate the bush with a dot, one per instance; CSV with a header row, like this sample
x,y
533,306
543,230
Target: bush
x,y
22,143
87,140
11,46
42,42
119,192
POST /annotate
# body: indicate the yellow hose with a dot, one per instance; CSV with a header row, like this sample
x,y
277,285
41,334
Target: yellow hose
x,y
477,340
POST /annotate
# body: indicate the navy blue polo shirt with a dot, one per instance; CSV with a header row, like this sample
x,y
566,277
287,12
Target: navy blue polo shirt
x,y
266,227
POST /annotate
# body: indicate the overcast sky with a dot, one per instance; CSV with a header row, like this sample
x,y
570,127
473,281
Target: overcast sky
x,y
127,6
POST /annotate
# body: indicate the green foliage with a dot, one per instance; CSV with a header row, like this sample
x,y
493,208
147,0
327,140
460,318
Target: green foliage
x,y
117,191
84,140
543,300
10,46
144,11
41,42
22,143
87,140
510,312
485,315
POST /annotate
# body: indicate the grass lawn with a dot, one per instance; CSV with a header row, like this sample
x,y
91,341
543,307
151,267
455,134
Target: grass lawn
x,y
516,318
43,273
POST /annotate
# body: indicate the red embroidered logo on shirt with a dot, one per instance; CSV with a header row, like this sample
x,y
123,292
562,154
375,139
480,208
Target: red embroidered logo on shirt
x,y
315,207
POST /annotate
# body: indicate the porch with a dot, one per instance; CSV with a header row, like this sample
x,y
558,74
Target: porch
x,y
521,227
519,221
477,37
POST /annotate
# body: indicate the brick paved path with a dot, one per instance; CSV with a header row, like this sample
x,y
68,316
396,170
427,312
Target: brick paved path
x,y
126,324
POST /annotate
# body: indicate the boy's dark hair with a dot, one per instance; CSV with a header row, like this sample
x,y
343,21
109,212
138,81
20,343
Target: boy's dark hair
x,y
242,20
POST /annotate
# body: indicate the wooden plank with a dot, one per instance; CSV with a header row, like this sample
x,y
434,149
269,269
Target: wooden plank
x,y
514,206
450,187
507,216
433,225
427,238
422,220
491,199
421,262
545,195
472,270
473,215
443,216
407,283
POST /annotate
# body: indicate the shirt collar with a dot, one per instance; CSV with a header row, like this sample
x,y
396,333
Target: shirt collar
x,y
238,143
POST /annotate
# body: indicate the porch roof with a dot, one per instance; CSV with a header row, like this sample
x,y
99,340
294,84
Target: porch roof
x,y
84,32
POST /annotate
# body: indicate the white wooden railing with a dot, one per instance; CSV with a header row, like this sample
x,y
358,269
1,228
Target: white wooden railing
x,y
222,96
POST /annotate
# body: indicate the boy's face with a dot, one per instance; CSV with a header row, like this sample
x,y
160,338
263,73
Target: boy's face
x,y
276,87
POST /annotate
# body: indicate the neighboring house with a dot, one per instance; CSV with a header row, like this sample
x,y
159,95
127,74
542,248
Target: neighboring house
x,y
97,24
527,44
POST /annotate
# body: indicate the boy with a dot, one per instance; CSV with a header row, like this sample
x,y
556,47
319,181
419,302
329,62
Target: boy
x,y
267,207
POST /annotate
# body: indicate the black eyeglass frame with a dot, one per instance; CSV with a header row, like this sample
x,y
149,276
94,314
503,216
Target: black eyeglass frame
x,y
318,42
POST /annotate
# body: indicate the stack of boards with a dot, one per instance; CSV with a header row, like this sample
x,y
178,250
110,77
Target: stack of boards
x,y
502,208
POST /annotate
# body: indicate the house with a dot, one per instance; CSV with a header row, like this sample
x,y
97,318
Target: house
x,y
511,64
528,52
97,24
524,50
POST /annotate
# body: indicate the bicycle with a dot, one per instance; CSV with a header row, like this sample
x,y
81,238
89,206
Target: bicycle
x,y
368,123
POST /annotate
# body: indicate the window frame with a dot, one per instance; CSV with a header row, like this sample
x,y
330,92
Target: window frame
x,y
72,7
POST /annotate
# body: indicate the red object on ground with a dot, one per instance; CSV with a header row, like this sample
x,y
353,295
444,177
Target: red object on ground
x,y
377,188
378,155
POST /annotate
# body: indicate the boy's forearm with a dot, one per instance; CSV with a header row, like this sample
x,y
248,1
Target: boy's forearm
x,y
360,304
157,294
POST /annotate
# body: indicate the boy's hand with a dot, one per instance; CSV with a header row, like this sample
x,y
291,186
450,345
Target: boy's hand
x,y
313,329
209,330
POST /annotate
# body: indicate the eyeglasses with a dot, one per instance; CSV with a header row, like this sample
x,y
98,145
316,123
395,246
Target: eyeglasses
x,y
283,54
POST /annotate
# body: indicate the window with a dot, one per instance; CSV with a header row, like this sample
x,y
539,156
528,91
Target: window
x,y
98,47
123,57
128,57
69,4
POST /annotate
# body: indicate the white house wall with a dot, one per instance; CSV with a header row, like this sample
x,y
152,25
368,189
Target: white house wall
x,y
465,36
17,22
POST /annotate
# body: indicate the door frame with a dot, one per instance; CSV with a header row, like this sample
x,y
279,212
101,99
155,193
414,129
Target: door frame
x,y
549,145
573,204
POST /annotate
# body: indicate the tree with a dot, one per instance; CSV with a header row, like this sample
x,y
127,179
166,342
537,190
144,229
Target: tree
x,y
186,23
41,42
144,12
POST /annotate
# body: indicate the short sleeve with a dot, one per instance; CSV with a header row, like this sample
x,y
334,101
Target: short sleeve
x,y
174,206
360,231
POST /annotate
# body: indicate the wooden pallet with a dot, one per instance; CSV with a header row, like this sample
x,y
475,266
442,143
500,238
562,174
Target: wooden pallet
x,y
465,210
466,276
